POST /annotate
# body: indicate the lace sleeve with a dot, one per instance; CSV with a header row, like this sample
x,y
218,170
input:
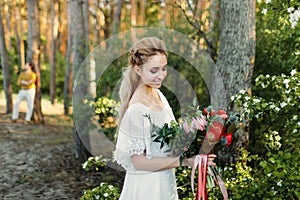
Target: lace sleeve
x,y
134,137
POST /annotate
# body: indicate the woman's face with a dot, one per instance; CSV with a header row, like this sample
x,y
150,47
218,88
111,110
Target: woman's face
x,y
154,71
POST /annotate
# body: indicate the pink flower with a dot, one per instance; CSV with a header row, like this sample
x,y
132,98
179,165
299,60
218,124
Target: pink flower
x,y
186,127
199,123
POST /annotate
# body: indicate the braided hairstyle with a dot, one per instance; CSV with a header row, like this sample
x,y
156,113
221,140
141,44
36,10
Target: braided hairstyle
x,y
138,55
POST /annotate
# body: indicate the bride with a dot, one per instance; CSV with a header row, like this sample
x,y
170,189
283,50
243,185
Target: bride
x,y
150,171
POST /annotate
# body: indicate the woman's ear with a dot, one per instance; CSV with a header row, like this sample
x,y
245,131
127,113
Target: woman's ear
x,y
138,70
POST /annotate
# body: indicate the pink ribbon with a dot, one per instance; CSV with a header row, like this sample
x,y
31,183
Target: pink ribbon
x,y
201,163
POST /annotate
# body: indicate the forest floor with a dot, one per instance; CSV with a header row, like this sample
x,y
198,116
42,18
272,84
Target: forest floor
x,y
37,161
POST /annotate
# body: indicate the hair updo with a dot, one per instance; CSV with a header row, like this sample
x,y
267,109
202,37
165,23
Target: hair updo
x,y
138,55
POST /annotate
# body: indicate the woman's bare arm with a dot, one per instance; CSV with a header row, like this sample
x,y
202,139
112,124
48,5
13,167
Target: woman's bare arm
x,y
141,162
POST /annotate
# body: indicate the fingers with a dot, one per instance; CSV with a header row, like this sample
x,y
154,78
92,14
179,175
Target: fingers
x,y
211,156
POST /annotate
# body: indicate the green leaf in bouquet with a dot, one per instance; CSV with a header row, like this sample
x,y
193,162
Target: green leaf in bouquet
x,y
195,102
168,151
231,128
162,144
210,183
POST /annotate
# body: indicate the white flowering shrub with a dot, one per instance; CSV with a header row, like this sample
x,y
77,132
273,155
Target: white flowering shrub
x,y
274,136
104,191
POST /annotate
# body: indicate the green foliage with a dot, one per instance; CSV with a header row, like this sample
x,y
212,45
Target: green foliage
x,y
94,163
104,191
277,42
106,109
276,118
275,173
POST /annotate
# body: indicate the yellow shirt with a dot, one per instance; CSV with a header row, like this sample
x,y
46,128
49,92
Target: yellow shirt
x,y
27,77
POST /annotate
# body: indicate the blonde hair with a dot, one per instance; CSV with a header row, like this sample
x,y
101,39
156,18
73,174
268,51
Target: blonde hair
x,y
138,55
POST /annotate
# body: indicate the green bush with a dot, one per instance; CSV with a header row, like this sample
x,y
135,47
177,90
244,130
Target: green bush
x,y
104,191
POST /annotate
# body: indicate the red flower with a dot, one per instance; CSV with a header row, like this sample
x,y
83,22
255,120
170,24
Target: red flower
x,y
214,132
229,139
205,112
223,114
212,113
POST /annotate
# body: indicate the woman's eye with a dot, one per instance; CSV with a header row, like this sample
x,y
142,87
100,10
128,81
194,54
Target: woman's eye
x,y
164,69
153,71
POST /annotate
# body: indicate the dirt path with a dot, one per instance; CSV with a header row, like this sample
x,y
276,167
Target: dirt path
x,y
38,162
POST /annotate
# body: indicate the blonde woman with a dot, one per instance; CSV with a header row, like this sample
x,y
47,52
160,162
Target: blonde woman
x,y
149,170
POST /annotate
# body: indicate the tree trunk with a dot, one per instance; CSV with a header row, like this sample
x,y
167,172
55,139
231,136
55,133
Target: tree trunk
x,y
214,31
78,55
33,54
142,13
68,72
235,61
5,68
54,33
117,17
19,36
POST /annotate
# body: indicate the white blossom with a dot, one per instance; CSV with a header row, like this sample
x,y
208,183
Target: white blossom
x,y
105,195
290,9
277,109
293,72
232,98
286,81
242,91
273,78
283,104
295,117
294,17
272,106
84,165
277,137
268,1
267,76
247,98
268,175
279,183
297,53
295,131
264,11
256,100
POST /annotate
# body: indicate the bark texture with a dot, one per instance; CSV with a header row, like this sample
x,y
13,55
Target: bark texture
x,y
5,69
33,54
235,61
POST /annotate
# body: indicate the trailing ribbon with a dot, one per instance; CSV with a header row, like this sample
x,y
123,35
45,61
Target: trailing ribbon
x,y
201,163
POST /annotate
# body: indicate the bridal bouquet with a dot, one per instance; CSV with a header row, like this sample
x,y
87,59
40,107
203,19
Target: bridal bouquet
x,y
185,139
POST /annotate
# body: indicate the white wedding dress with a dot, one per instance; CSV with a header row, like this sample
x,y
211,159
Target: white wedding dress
x,y
134,137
